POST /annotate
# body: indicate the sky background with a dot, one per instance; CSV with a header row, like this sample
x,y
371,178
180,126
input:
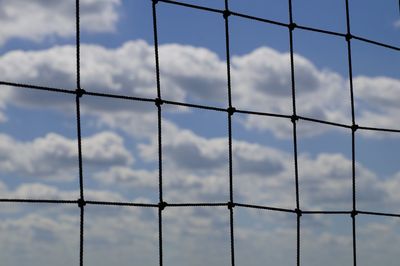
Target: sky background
x,y
38,147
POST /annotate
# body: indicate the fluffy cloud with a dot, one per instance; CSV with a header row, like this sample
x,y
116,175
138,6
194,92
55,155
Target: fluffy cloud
x,y
265,85
190,234
195,167
190,158
30,19
56,157
50,235
379,97
105,148
41,235
203,232
199,166
126,176
198,75
54,229
38,190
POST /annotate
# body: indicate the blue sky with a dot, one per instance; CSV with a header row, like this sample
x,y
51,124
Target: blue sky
x,y
38,149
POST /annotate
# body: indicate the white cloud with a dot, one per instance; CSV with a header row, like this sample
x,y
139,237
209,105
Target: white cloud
x,y
327,172
41,191
56,157
199,163
198,75
137,124
30,19
378,101
105,148
38,190
102,69
326,182
262,175
126,176
199,166
38,235
197,235
50,235
261,82
195,166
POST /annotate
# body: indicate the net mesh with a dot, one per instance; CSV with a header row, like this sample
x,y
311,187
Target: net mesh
x,y
230,111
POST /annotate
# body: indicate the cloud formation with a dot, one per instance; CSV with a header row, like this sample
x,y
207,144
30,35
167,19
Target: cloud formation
x,y
30,19
199,166
260,81
263,175
379,95
55,157
195,167
198,234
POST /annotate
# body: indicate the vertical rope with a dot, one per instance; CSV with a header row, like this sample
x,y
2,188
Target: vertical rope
x,y
354,128
294,120
79,93
158,103
231,111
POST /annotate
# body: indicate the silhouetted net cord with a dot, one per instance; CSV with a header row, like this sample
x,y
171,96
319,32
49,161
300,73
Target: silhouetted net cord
x,y
230,110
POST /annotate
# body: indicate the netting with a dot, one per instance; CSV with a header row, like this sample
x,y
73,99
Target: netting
x,y
230,111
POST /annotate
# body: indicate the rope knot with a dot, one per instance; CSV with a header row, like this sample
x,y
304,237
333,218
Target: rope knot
x,y
80,92
162,205
348,37
226,14
81,203
353,213
158,102
231,205
231,110
354,127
